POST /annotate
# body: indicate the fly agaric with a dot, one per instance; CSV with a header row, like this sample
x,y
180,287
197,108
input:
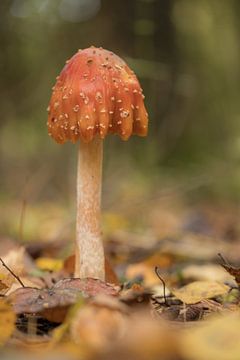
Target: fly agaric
x,y
95,94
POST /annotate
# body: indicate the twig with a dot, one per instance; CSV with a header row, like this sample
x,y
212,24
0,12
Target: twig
x,y
164,285
224,261
12,273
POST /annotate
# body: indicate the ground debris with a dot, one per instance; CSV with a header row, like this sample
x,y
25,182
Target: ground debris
x,y
154,304
232,270
53,303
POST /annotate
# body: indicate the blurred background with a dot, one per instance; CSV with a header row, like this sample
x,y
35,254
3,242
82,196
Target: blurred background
x,y
186,55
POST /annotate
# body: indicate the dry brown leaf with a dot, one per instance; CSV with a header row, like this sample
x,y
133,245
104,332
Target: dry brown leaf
x,y
142,270
200,290
54,303
18,261
29,281
146,338
3,288
110,302
51,304
232,270
97,327
7,244
6,282
94,326
158,259
183,312
7,321
136,297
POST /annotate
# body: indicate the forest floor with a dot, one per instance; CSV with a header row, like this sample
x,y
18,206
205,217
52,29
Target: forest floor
x,y
171,290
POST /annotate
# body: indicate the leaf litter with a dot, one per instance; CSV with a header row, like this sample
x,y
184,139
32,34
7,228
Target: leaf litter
x,y
138,313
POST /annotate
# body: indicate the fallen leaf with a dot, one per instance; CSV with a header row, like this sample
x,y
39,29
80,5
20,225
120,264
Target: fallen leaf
x,y
61,333
97,326
7,244
7,321
3,288
109,302
51,304
6,282
27,281
146,338
232,270
137,296
143,271
183,312
207,272
160,260
54,303
217,338
50,264
200,290
18,261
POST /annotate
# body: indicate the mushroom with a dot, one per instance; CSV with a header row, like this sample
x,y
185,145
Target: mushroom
x,y
95,94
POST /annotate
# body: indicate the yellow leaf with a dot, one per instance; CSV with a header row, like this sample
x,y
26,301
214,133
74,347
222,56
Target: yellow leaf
x,y
142,270
6,282
60,334
215,339
45,263
7,322
200,290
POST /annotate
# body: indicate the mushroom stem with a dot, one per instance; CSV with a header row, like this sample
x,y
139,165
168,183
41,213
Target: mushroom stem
x,y
89,247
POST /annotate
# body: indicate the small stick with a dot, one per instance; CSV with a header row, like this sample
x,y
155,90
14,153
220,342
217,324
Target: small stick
x,y
12,273
223,260
164,285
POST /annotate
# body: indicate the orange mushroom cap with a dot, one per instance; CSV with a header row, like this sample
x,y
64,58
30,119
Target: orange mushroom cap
x,y
96,93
